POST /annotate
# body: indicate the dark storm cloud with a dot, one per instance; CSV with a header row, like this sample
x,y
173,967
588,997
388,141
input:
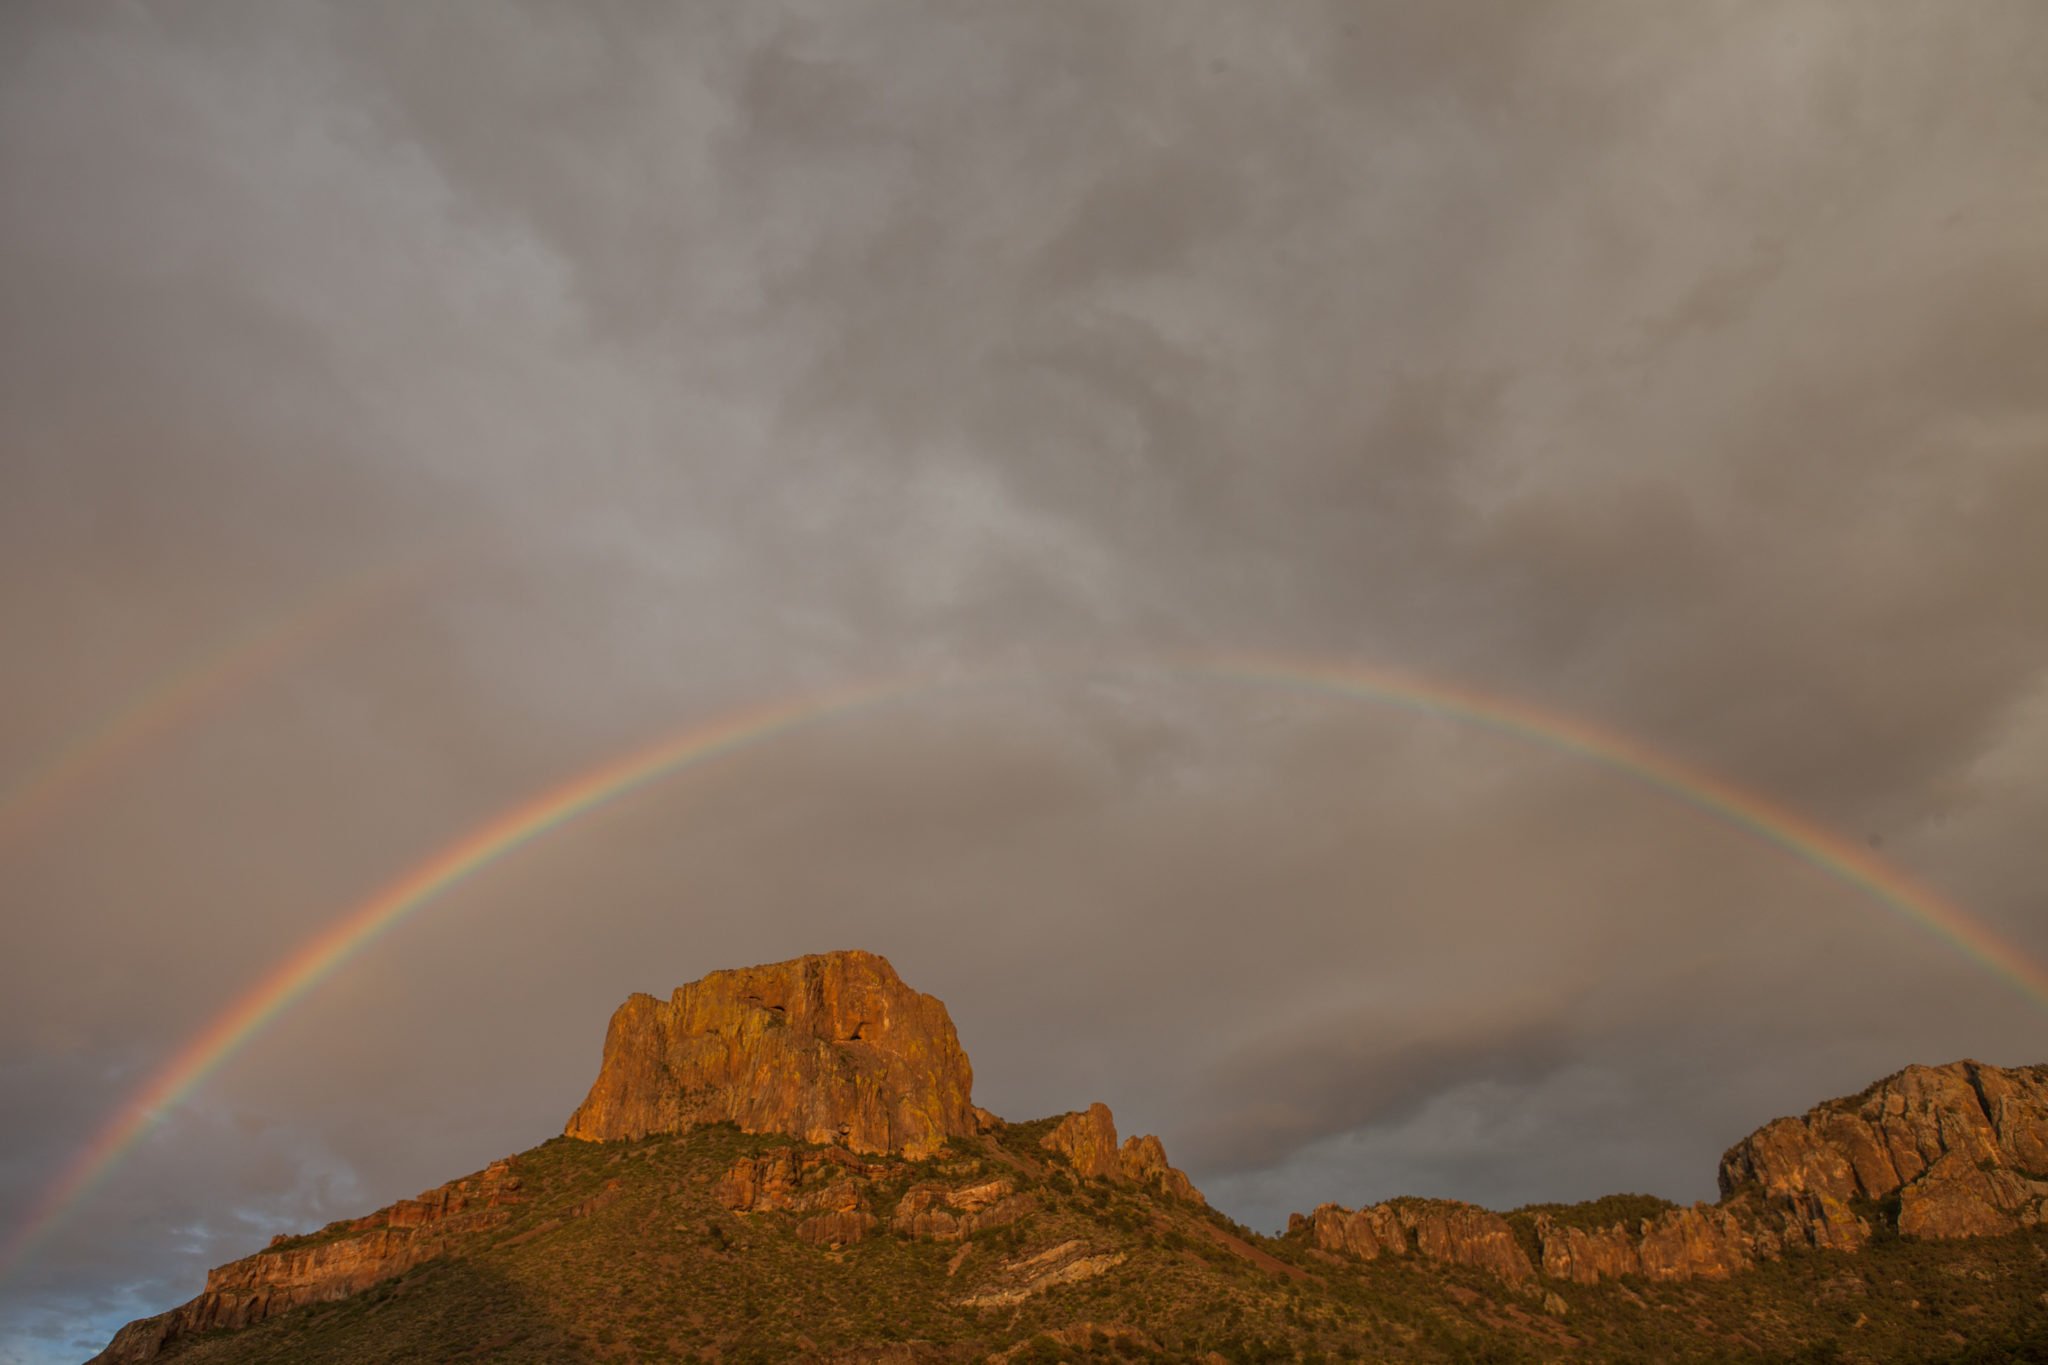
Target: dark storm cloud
x,y
1678,369
1354,1071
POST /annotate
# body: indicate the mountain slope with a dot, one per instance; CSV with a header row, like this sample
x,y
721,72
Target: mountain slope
x,y
1051,1240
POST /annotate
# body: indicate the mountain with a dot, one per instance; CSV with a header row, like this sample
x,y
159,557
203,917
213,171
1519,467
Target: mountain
x,y
785,1162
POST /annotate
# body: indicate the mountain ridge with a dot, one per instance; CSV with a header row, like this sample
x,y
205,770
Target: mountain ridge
x,y
816,1115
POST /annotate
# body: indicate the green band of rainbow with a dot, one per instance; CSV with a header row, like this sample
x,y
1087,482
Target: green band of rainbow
x,y
319,957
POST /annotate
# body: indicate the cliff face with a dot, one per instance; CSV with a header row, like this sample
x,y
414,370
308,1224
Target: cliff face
x,y
1963,1148
1679,1244
1435,1229
831,1048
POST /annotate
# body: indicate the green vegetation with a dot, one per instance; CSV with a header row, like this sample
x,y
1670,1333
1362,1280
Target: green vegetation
x,y
1604,1212
1629,1210
658,1270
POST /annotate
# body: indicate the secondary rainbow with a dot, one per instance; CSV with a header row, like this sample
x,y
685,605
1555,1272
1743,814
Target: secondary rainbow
x,y
189,692
320,956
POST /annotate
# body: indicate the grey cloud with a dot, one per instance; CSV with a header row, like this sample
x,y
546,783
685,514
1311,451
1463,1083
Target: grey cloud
x,y
1675,370
1347,1071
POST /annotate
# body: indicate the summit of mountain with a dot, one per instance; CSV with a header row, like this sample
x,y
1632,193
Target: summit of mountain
x,y
830,1048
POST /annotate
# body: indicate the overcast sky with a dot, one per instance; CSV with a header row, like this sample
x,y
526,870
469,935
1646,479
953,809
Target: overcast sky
x,y
530,381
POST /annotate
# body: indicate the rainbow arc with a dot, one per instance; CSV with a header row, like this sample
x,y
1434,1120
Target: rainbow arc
x,y
505,833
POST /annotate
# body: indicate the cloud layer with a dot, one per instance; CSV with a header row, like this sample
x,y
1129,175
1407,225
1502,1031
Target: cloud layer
x,y
1679,370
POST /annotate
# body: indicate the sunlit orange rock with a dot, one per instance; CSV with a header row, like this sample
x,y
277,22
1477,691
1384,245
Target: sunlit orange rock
x,y
1679,1244
1088,1141
1144,1163
1963,1147
831,1048
951,1214
1435,1229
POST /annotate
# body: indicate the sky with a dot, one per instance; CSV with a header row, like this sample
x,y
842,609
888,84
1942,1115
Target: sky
x,y
407,408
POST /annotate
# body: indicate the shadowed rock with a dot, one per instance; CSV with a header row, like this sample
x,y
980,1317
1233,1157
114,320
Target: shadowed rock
x,y
341,1259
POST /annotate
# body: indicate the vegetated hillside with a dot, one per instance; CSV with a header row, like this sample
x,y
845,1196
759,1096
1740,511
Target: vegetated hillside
x,y
785,1162
630,1251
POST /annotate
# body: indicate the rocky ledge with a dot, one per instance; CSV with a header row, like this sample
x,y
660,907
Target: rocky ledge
x,y
341,1259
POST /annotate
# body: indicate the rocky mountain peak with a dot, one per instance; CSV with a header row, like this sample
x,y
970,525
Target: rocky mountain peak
x,y
831,1048
1962,1148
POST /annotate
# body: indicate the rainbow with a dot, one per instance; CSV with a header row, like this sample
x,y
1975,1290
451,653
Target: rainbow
x,y
188,692
1749,811
321,956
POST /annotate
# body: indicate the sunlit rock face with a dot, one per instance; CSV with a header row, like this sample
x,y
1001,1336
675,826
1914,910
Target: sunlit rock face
x,y
1678,1244
1087,1141
831,1048
1435,1229
1963,1148
1933,1151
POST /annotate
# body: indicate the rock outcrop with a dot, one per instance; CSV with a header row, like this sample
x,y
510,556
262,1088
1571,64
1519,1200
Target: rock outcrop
x,y
341,1259
1144,1163
1963,1148
831,1048
1087,1141
1068,1263
827,1187
949,1215
1435,1229
1678,1244
1934,1151
831,1193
